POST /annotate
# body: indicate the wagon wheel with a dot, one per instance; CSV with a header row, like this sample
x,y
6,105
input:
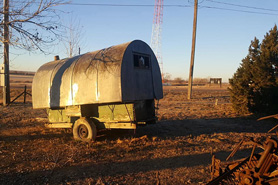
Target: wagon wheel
x,y
84,130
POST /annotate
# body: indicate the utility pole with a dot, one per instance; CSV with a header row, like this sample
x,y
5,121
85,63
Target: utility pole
x,y
6,83
192,51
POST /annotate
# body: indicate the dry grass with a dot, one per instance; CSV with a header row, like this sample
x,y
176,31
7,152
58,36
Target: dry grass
x,y
176,150
206,103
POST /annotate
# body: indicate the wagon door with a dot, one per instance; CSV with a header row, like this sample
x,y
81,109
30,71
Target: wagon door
x,y
143,78
140,74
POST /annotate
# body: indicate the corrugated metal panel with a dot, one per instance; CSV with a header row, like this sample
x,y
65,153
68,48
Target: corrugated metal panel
x,y
103,76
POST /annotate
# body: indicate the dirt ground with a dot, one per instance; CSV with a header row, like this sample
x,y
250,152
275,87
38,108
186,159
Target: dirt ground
x,y
175,150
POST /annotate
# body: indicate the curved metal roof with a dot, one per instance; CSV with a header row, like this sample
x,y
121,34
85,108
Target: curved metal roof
x,y
109,75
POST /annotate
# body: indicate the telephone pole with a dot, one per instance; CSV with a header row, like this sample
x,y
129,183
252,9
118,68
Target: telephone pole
x,y
6,83
192,51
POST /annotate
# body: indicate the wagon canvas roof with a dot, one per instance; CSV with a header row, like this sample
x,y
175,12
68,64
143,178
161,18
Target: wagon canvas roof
x,y
109,75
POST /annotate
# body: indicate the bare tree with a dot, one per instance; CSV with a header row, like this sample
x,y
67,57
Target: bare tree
x,y
167,77
73,39
27,24
179,80
200,80
34,24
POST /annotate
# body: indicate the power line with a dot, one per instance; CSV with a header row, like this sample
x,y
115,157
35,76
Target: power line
x,y
243,6
125,5
183,6
235,10
115,5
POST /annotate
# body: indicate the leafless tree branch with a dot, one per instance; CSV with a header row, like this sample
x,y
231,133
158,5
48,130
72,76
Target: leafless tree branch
x,y
73,37
34,24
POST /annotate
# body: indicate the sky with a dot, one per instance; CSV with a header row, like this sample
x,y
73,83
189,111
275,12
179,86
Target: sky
x,y
224,32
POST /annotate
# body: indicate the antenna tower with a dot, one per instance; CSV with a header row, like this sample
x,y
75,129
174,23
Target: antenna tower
x,y
156,32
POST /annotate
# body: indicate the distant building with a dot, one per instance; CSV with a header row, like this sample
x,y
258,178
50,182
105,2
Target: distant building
x,y
215,81
166,84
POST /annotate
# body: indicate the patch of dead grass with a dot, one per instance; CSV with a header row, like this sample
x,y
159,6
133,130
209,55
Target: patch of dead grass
x,y
176,150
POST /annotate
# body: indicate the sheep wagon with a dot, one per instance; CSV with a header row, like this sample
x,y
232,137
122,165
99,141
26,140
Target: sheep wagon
x,y
112,88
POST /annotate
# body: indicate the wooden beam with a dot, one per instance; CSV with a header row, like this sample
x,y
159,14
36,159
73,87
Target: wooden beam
x,y
192,51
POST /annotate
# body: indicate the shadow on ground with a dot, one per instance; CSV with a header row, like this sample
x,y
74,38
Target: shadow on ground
x,y
191,127
164,129
95,171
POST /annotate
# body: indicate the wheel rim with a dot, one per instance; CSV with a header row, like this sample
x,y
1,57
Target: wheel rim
x,y
83,131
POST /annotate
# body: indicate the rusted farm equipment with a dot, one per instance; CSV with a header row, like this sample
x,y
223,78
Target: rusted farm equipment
x,y
112,88
257,169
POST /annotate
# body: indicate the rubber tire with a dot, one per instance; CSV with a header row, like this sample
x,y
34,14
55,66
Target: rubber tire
x,y
87,124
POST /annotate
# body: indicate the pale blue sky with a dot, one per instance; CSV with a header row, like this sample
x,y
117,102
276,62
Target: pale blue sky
x,y
223,36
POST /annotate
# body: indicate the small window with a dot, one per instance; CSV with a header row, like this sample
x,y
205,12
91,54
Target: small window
x,y
141,61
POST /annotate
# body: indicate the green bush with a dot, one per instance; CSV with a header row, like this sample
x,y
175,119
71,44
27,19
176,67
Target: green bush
x,y
254,86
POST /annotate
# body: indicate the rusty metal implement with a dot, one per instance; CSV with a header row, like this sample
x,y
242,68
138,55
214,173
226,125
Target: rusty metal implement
x,y
257,169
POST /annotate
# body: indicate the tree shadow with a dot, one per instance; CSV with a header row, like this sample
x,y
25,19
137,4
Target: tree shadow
x,y
35,137
215,97
97,170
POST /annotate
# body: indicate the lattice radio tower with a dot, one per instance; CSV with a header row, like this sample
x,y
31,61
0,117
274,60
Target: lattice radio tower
x,y
156,32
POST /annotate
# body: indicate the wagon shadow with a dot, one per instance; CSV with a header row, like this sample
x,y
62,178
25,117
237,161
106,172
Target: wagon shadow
x,y
112,135
163,129
195,127
83,171
191,127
